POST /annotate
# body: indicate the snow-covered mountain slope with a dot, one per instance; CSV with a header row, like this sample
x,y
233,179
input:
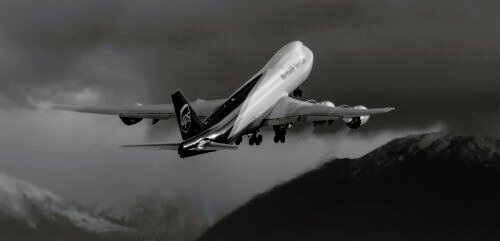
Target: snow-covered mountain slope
x,y
35,206
126,209
155,215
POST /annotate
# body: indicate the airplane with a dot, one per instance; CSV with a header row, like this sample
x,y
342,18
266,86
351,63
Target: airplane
x,y
263,100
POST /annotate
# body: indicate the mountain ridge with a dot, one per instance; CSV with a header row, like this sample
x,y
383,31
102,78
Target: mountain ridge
x,y
435,186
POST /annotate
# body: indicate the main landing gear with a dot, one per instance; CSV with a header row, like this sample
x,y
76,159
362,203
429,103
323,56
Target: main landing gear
x,y
279,133
255,139
238,140
298,92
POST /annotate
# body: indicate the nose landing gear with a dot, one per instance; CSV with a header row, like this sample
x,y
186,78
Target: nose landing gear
x,y
298,92
280,138
238,141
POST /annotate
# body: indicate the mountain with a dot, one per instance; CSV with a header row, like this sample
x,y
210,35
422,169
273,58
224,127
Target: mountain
x,y
157,217
28,212
435,186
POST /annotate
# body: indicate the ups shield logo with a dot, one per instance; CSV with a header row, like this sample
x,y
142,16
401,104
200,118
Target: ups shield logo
x,y
185,118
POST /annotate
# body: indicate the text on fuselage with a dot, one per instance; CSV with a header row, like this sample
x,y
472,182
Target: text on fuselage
x,y
295,66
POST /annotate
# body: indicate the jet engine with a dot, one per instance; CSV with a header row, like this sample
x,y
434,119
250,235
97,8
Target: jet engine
x,y
130,121
356,122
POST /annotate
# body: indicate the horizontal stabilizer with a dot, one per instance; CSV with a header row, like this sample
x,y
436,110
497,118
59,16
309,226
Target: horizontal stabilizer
x,y
210,146
156,146
216,146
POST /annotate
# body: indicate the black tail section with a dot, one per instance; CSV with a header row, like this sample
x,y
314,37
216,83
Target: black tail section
x,y
189,123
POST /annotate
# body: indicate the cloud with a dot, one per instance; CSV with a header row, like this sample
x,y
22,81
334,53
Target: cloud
x,y
352,144
73,153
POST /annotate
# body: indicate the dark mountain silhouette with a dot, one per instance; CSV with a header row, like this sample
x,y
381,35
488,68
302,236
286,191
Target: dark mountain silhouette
x,y
434,186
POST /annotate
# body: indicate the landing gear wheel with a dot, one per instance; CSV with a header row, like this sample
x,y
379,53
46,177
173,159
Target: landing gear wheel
x,y
238,140
298,92
255,139
280,133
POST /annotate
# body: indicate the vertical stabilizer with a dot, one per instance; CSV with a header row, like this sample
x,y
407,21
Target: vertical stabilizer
x,y
189,123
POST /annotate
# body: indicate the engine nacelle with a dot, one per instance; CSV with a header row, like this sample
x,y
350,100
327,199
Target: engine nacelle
x,y
356,122
327,103
130,121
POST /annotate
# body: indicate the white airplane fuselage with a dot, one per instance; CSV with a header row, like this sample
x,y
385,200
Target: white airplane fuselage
x,y
245,109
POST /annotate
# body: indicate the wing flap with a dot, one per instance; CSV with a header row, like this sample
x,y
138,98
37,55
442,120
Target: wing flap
x,y
163,111
158,116
351,112
106,110
289,110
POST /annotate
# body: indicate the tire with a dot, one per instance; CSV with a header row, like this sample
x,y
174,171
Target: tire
x,y
251,141
283,132
282,139
259,138
275,139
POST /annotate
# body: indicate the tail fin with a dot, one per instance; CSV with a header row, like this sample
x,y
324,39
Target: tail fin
x,y
189,123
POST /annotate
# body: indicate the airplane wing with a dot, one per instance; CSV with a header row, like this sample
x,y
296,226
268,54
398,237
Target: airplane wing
x,y
209,146
290,110
161,111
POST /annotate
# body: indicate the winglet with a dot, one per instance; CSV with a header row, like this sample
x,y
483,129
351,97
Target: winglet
x,y
387,109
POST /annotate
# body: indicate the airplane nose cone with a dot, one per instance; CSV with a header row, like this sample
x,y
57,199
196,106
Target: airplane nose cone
x,y
308,52
298,45
295,45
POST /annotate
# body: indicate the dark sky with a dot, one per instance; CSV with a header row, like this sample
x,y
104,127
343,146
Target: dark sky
x,y
433,60
437,62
